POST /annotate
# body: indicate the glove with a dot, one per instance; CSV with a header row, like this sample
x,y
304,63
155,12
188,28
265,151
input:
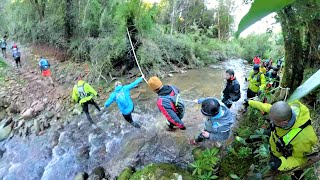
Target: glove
x,y
229,101
259,93
275,163
246,103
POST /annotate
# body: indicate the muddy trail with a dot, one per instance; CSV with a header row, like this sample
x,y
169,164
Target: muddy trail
x,y
57,142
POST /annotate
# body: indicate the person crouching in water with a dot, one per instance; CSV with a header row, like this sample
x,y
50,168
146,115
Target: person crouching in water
x,y
121,95
219,121
168,103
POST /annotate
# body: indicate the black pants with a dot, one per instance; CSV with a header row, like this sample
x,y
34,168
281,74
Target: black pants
x,y
17,59
4,52
85,108
128,117
250,93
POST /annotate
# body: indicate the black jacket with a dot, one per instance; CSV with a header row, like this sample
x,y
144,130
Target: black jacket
x,y
232,90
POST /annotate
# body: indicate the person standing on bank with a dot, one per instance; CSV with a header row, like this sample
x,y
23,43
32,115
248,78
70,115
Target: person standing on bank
x,y
231,92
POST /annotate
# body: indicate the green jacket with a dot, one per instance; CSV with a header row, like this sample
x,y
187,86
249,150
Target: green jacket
x,y
302,143
257,82
88,92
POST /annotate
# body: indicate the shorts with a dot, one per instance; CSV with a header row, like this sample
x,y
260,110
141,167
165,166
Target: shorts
x,y
46,72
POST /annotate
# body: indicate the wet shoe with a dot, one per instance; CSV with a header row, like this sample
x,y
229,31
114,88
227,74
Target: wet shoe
x,y
183,128
193,142
135,124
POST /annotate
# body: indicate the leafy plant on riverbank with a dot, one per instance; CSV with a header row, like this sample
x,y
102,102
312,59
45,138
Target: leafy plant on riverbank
x,y
204,166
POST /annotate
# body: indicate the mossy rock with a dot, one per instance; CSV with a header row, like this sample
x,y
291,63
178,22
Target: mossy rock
x,y
197,153
126,174
161,171
230,164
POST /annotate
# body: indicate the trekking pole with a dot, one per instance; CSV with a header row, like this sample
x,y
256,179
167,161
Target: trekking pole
x,y
135,57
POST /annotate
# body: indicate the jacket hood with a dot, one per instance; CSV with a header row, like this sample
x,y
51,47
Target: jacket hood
x,y
80,82
165,90
118,88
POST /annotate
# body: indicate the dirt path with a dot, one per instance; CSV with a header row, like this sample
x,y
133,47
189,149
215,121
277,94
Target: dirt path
x,y
28,99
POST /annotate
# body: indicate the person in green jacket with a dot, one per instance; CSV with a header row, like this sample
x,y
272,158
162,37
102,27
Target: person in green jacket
x,y
83,94
257,82
292,135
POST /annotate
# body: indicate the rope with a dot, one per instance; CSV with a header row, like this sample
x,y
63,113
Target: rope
x,y
187,100
135,57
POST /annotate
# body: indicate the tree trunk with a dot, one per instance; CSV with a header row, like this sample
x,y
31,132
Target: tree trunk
x,y
68,20
294,66
314,43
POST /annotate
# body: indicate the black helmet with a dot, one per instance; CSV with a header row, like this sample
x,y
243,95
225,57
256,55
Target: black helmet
x,y
210,107
256,67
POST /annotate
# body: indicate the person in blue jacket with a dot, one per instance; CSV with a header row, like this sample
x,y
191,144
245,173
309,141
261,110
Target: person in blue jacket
x,y
121,95
219,121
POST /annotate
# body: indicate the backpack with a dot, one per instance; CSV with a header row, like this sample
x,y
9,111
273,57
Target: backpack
x,y
16,54
3,44
82,93
44,64
178,103
121,99
258,77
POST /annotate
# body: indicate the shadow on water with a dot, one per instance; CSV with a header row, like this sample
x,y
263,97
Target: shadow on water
x,y
115,144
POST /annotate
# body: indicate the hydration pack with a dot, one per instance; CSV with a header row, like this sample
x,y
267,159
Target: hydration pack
x,y
82,93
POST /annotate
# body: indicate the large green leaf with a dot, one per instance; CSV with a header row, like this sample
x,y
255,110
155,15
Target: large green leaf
x,y
312,83
260,9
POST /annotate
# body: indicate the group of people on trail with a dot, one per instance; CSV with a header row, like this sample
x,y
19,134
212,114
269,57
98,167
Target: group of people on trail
x,y
263,77
291,135
15,51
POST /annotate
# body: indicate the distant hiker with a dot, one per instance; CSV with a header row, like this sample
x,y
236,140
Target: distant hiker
x,y
231,92
279,63
3,44
273,79
83,94
219,121
257,82
292,135
45,69
121,95
14,46
256,60
168,103
16,56
263,68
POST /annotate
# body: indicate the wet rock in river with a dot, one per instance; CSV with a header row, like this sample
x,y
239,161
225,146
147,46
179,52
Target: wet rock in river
x,y
81,176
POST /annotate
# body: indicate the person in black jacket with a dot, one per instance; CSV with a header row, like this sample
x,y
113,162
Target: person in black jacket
x,y
231,92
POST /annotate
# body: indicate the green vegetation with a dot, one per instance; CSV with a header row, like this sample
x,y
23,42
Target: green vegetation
x,y
161,171
205,164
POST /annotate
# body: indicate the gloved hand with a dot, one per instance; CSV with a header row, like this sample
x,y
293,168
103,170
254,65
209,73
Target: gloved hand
x,y
229,101
259,93
275,163
246,103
